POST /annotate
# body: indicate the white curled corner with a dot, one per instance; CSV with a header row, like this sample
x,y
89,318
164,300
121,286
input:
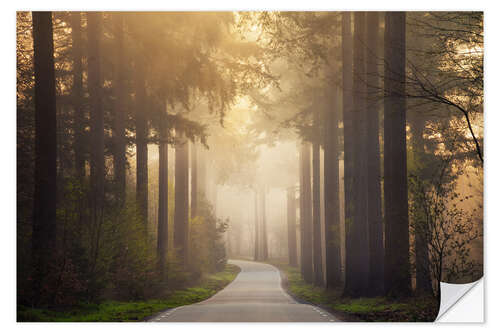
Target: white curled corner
x,y
461,302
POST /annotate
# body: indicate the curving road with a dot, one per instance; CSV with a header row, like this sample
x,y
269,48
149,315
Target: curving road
x,y
255,295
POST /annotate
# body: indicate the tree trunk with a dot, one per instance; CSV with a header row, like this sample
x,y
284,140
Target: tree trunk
x,y
332,203
265,253
202,174
306,215
77,91
291,222
194,181
375,225
347,82
119,139
257,231
181,214
357,247
44,209
162,237
423,277
397,264
141,143
316,210
97,171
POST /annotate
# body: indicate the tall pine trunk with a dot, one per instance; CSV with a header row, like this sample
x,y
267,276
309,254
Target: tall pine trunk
x,y
257,251
291,222
397,264
332,203
202,174
306,215
194,180
357,247
162,237
77,91
316,209
347,82
181,213
97,171
375,225
44,209
265,253
119,110
141,125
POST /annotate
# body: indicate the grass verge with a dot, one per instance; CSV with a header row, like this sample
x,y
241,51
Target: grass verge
x,y
413,309
113,311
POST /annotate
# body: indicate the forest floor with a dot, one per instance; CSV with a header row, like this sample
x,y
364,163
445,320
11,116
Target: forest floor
x,y
114,311
413,309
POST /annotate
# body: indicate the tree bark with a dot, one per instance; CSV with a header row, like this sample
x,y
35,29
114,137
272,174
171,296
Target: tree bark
x,y
194,180
316,210
181,214
44,209
306,215
119,110
347,116
291,222
397,264
265,253
202,174
332,203
77,91
375,225
97,170
141,124
257,229
357,247
162,237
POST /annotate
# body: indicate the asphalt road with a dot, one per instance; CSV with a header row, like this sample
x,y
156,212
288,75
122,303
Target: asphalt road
x,y
254,296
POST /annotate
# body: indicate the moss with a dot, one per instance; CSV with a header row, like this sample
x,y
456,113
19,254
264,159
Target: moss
x,y
133,311
360,309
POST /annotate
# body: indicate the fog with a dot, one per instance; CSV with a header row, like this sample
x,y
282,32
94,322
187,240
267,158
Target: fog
x,y
158,145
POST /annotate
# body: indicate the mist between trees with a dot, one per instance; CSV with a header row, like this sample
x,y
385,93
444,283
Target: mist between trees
x,y
153,146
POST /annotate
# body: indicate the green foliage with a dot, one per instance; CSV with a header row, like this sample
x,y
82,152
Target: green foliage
x,y
207,251
441,216
133,311
359,309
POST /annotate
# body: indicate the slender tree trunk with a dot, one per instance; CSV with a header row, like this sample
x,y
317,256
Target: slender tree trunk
x,y
316,210
423,277
397,264
257,256
162,238
265,253
141,124
301,208
97,171
194,180
44,209
306,221
96,112
181,214
357,247
119,139
332,203
202,174
347,99
375,225
291,222
77,91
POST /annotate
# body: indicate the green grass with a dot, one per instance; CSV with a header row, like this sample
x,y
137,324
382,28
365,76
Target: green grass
x,y
111,311
360,309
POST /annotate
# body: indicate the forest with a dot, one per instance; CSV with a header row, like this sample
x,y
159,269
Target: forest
x,y
162,155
